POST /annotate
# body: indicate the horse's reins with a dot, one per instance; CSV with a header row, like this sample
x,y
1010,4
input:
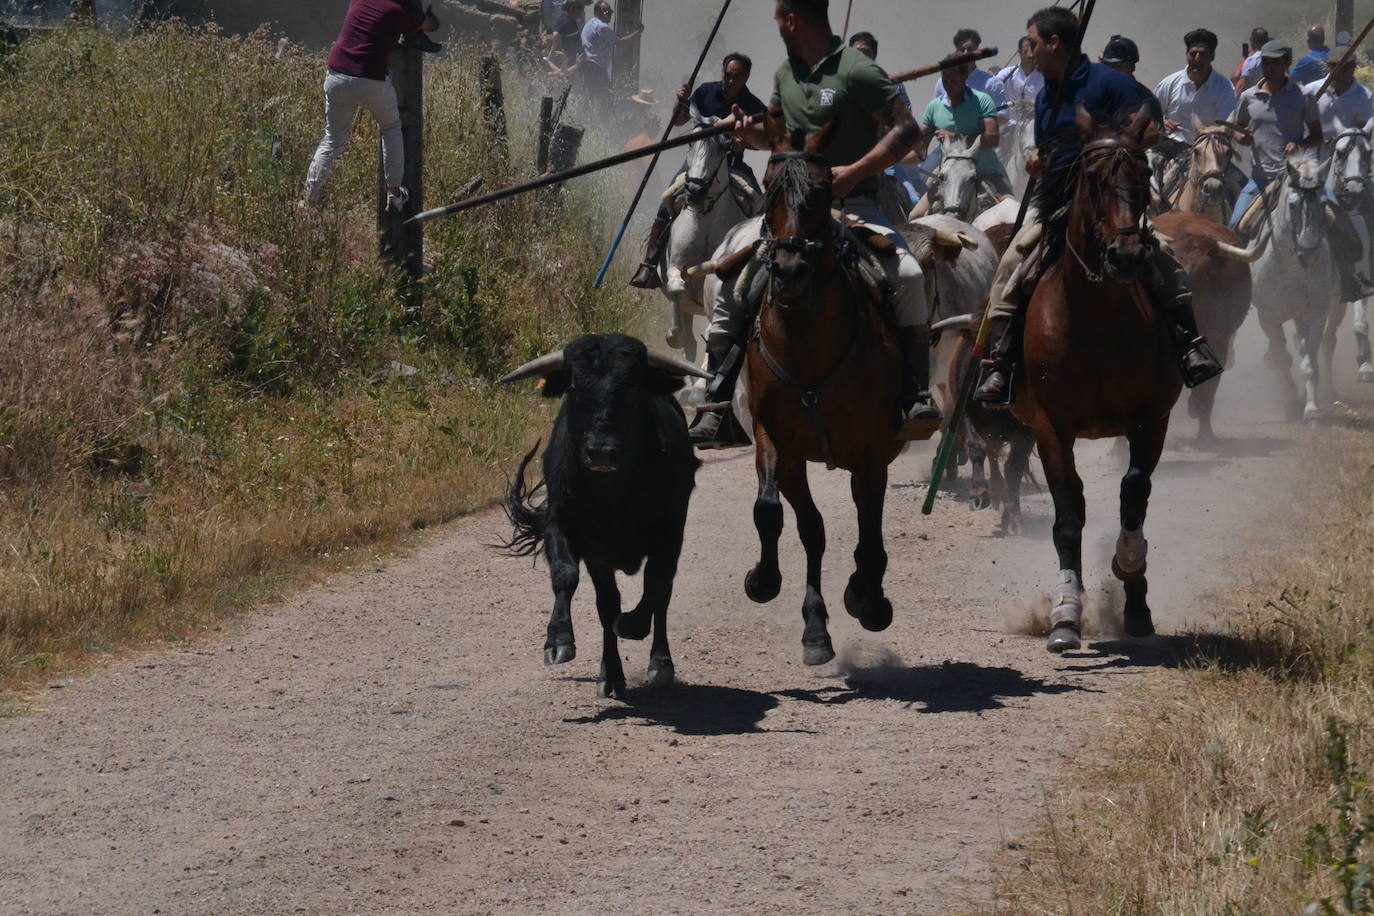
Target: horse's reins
x,y
1116,149
711,201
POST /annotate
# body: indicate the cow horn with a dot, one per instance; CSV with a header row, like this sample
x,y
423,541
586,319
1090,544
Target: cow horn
x,y
960,322
954,240
544,365
1244,255
676,365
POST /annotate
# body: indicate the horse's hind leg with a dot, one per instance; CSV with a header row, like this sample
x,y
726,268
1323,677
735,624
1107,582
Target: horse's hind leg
x,y
1326,368
1070,514
816,646
864,598
1281,361
979,494
764,581
1363,357
1016,470
1129,563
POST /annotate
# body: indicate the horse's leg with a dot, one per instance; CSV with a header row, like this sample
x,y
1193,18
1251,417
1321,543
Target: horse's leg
x,y
764,581
559,646
1363,357
1280,360
1129,563
978,493
864,598
1070,514
610,680
1016,470
1200,403
1326,369
1311,331
816,646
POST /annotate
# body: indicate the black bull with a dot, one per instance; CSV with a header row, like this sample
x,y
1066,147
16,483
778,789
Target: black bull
x,y
619,472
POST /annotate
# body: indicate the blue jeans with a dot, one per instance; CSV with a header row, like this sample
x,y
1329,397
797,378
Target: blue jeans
x,y
1253,188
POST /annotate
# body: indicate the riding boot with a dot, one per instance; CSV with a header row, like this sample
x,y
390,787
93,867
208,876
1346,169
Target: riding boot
x,y
996,386
1197,361
920,418
718,428
647,275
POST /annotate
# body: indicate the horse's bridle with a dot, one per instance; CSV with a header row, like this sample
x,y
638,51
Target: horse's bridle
x,y
1345,183
1212,137
803,248
706,183
1117,149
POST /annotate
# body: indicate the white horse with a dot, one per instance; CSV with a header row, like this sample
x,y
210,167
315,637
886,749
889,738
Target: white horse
x,y
957,189
1017,145
1348,182
1295,278
710,212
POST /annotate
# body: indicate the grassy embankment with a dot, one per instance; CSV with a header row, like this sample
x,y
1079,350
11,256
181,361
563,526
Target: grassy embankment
x,y
199,385
1239,785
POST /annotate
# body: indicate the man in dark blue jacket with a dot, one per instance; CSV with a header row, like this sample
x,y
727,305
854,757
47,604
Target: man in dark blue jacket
x,y
1109,96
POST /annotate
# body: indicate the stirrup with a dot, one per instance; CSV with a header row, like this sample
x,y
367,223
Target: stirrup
x,y
1192,378
1007,368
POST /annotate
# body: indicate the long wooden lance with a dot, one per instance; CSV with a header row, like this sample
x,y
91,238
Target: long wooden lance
x,y
847,16
653,163
1349,56
969,379
682,140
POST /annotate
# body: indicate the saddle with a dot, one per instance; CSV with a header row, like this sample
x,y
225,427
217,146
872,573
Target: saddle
x,y
1254,217
746,198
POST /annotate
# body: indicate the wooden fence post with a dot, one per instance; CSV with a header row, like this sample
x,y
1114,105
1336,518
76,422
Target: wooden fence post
x,y
402,245
541,161
494,104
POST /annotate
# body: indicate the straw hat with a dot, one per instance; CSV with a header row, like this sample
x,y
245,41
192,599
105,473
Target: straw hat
x,y
645,97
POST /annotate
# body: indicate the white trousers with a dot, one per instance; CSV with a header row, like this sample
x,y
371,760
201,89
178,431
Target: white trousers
x,y
343,96
911,306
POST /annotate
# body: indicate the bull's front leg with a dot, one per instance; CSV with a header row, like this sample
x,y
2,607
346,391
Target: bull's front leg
x,y
659,574
610,681
559,647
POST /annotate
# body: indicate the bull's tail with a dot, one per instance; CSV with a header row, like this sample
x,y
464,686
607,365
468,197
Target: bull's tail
x,y
530,520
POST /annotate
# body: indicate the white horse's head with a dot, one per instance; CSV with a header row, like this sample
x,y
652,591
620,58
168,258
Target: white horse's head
x,y
1348,175
958,186
1302,214
708,170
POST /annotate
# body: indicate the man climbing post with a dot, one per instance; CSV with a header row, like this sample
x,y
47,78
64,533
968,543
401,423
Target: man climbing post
x,y
1108,96
710,100
825,81
358,78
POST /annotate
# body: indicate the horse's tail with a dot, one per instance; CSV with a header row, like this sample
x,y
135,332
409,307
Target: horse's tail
x,y
529,519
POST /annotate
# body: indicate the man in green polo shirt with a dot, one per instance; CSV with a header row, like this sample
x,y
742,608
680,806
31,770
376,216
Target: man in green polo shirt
x,y
824,80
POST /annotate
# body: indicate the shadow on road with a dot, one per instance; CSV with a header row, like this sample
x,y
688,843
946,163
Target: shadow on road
x,y
1183,650
691,709
956,687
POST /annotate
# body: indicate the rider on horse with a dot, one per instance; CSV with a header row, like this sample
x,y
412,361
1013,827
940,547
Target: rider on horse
x,y
1107,95
1197,94
710,100
1345,106
825,82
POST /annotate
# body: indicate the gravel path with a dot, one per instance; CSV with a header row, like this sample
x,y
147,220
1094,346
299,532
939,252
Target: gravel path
x,y
392,743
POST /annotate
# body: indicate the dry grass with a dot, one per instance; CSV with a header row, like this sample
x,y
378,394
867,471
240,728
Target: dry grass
x,y
1219,781
198,384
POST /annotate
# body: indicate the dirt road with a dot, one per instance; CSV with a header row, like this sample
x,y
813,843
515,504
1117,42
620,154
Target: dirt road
x,y
392,743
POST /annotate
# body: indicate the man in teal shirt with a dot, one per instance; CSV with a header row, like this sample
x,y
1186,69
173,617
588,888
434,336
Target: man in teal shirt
x,y
823,80
970,114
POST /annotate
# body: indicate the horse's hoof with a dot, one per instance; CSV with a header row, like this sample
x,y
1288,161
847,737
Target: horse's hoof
x,y
1011,523
634,625
1139,624
762,587
560,655
979,500
1125,576
661,673
1366,375
854,598
1064,639
1311,414
817,655
611,690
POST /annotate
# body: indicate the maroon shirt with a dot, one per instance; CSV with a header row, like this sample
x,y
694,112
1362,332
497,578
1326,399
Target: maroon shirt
x,y
369,32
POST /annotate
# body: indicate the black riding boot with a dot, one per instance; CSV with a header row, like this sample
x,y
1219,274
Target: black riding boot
x,y
1197,361
717,428
996,386
920,418
647,275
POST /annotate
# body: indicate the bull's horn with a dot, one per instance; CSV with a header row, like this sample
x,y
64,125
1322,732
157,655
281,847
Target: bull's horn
x,y
1245,255
961,322
676,365
701,270
544,365
954,240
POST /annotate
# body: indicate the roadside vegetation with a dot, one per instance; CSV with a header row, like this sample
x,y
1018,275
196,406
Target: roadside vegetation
x,y
203,388
1241,784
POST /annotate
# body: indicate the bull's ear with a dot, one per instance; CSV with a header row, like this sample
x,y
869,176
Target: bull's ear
x,y
660,382
556,384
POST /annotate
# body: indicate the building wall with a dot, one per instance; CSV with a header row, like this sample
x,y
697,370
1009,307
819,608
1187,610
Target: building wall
x,y
313,23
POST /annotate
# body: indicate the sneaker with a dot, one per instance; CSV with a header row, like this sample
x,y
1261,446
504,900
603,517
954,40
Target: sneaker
x,y
396,200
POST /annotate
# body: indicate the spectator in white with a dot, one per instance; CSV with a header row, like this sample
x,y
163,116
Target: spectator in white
x,y
1312,65
1251,69
1021,81
966,41
598,42
1345,105
1196,91
358,78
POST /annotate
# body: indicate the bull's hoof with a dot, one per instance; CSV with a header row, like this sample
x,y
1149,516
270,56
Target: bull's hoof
x,y
634,625
559,655
980,498
1064,638
1139,624
611,690
661,673
762,587
818,655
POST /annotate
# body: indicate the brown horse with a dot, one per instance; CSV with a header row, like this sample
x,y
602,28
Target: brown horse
x,y
1099,362
1209,189
824,381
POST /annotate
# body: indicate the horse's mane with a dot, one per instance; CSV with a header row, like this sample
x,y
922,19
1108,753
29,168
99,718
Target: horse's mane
x,y
1056,191
791,183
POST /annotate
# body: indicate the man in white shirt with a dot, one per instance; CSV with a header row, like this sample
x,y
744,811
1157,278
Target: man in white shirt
x,y
1345,105
1197,90
598,44
1252,69
1021,81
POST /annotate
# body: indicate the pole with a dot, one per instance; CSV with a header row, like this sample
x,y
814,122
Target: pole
x,y
970,377
648,172
401,240
662,147
848,14
1349,56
